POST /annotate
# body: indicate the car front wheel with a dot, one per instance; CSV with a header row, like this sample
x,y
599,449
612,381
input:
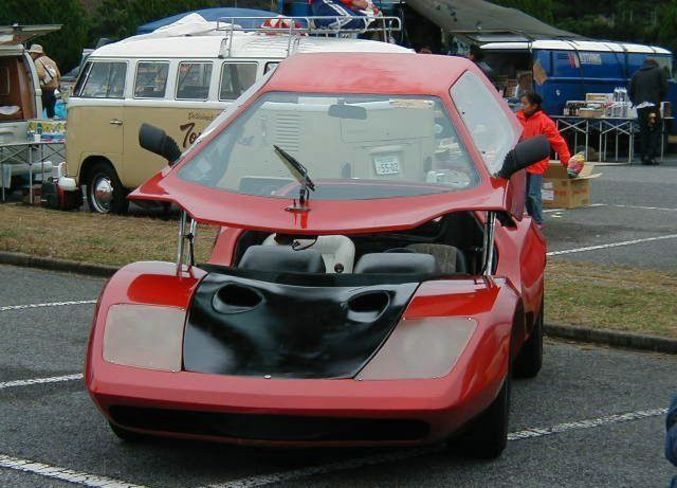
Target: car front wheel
x,y
487,436
126,435
105,193
530,358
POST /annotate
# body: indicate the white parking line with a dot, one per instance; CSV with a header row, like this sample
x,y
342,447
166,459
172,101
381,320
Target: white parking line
x,y
285,476
39,381
642,207
611,245
63,474
43,305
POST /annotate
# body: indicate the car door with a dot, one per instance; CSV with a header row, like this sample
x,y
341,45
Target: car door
x,y
95,113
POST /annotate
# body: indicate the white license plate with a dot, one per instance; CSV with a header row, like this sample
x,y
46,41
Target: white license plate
x,y
387,165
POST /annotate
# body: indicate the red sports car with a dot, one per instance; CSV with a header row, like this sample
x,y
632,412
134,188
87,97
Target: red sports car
x,y
374,281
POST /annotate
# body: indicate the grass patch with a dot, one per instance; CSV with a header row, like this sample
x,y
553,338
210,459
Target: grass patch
x,y
577,293
93,238
629,299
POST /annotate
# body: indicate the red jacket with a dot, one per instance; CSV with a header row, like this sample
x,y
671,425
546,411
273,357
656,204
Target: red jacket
x,y
539,124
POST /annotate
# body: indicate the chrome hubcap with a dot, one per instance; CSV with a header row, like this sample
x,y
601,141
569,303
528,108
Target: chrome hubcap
x,y
102,194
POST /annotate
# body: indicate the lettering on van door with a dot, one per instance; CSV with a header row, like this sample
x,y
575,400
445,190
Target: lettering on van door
x,y
190,134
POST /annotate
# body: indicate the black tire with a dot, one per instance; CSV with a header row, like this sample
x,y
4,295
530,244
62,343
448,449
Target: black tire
x,y
105,193
126,435
487,436
529,360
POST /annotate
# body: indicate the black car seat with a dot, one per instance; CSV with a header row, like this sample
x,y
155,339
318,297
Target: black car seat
x,y
282,259
450,259
397,262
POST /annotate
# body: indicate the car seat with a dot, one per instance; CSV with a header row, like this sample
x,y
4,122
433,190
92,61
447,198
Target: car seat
x,y
338,251
282,259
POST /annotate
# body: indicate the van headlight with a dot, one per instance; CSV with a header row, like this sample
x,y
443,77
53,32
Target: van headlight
x,y
420,349
144,336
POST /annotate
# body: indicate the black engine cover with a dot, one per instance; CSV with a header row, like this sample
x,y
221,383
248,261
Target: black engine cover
x,y
247,327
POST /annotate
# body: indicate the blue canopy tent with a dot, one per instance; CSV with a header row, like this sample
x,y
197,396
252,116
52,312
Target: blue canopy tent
x,y
211,14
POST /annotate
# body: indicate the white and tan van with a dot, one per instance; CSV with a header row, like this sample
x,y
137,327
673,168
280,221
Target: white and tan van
x,y
20,94
178,81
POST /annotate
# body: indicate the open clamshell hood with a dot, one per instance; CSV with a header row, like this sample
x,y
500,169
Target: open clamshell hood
x,y
338,73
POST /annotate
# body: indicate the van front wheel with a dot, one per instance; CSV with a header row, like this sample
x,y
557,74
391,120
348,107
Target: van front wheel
x,y
105,193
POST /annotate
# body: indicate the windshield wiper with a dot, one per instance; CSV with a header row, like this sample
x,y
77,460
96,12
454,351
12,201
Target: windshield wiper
x,y
300,174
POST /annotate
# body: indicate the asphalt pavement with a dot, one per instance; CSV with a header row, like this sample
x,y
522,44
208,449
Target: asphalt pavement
x,y
593,417
632,221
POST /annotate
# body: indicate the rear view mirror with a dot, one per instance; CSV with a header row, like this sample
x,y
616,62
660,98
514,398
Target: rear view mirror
x,y
157,141
523,155
343,111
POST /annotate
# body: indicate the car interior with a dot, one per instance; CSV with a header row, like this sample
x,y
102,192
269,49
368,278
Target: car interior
x,y
16,90
448,245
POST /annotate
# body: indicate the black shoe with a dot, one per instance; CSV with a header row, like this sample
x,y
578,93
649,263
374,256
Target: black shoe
x,y
646,162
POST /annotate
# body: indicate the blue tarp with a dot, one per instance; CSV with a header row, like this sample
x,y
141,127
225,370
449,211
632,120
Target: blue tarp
x,y
211,14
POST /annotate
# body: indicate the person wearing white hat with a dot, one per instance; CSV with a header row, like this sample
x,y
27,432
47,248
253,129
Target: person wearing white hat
x,y
49,75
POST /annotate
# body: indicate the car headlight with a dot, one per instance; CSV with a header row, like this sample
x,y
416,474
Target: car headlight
x,y
420,348
144,336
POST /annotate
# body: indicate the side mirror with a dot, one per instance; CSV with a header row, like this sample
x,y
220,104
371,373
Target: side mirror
x,y
523,155
157,141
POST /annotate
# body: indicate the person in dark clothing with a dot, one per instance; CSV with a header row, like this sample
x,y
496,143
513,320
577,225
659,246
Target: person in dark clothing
x,y
476,55
671,437
648,88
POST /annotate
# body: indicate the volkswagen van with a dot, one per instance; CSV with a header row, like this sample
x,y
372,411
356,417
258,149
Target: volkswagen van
x,y
178,82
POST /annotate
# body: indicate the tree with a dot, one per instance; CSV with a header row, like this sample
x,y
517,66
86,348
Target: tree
x,y
64,46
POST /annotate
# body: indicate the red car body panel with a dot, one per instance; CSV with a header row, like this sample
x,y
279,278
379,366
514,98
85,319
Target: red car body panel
x,y
504,305
444,403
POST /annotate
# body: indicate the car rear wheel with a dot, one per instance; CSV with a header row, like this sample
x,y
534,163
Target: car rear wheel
x,y
105,193
530,358
487,436
126,435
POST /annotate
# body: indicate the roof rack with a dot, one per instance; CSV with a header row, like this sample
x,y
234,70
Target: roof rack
x,y
301,26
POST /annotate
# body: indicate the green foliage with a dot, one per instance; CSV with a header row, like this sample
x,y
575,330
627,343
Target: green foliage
x,y
64,46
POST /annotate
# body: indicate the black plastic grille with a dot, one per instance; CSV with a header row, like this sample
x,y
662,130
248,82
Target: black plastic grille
x,y
269,427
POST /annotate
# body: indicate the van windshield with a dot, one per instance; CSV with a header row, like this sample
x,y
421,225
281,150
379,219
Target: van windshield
x,y
390,146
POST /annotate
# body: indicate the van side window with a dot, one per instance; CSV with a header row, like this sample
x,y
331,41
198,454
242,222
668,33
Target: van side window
x,y
103,80
151,79
236,78
193,80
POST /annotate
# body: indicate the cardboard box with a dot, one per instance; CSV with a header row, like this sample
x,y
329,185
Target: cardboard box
x,y
560,191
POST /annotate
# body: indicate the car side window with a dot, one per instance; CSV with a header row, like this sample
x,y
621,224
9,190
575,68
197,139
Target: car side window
x,y
492,132
193,80
151,79
235,79
270,66
102,80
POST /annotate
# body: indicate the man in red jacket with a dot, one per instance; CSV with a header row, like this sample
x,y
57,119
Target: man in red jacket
x,y
536,122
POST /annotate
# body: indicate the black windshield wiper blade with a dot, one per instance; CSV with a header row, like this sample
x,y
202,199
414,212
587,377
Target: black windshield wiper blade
x,y
298,171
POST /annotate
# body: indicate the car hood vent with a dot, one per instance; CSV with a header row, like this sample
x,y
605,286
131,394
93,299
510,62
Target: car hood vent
x,y
247,327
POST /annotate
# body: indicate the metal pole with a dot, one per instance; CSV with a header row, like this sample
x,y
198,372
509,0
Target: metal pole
x,y
180,251
30,174
489,244
191,240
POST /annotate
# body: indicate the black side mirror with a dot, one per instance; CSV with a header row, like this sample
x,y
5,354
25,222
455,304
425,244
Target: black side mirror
x,y
157,141
523,155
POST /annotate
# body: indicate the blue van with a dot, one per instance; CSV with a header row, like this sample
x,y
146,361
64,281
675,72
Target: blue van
x,y
563,70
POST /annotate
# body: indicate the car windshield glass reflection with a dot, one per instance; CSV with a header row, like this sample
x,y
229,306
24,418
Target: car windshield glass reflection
x,y
385,146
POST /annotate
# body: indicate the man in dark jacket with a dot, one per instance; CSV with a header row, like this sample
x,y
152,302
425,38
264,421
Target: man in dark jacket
x,y
671,437
648,88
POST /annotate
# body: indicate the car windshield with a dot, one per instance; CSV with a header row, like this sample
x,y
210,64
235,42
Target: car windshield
x,y
383,146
